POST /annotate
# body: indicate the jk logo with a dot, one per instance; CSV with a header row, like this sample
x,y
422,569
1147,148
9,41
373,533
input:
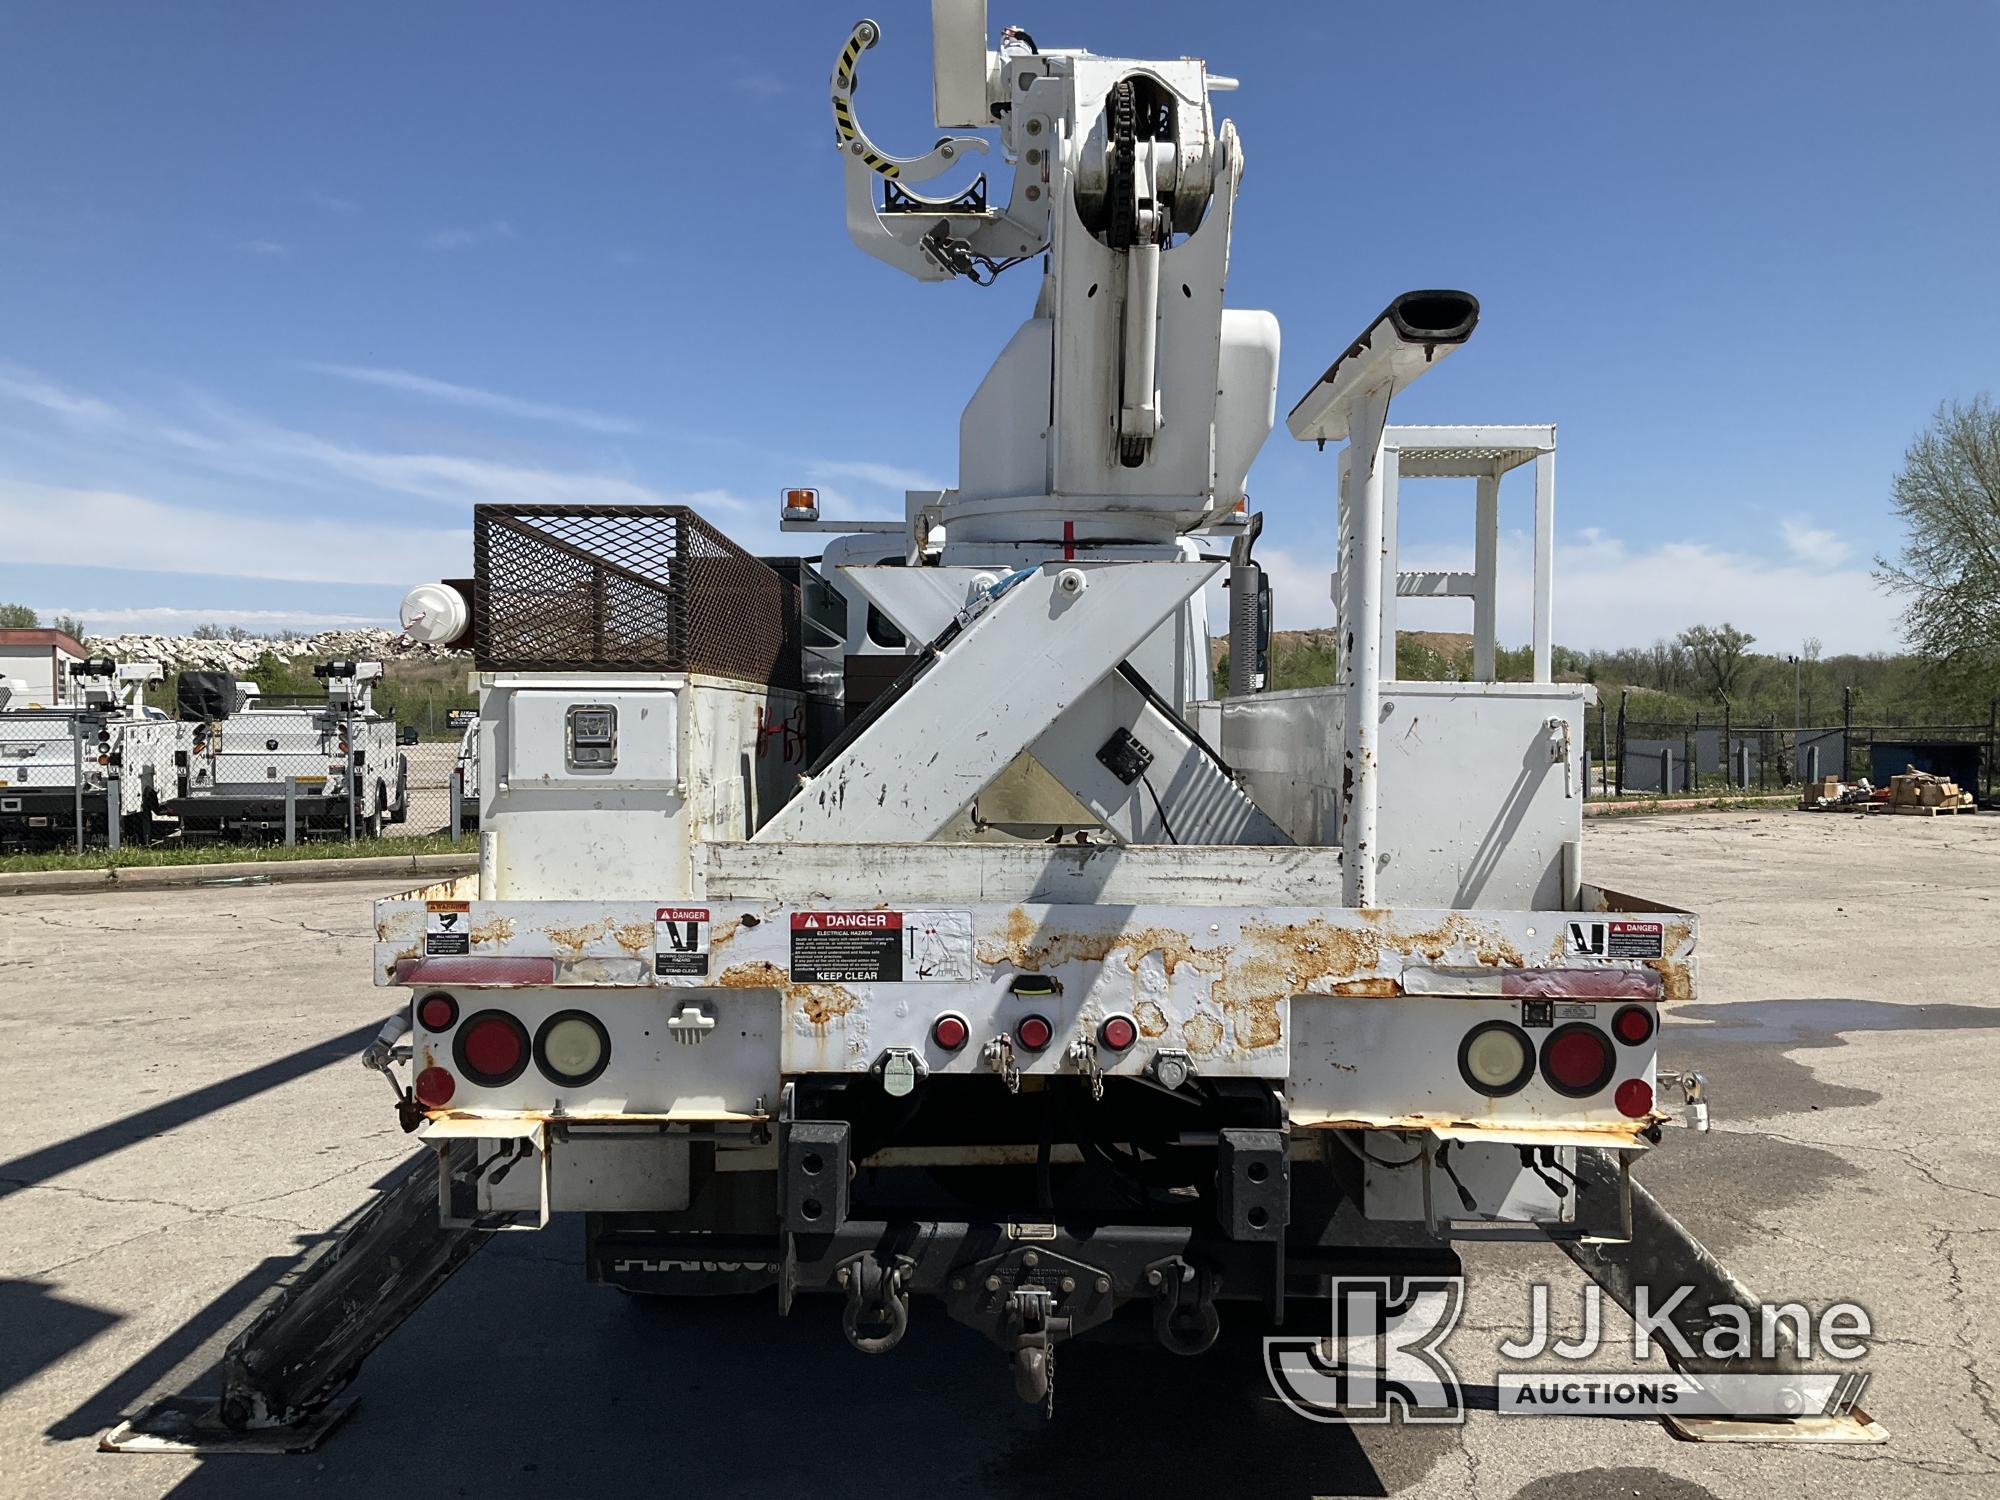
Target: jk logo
x,y
1384,1356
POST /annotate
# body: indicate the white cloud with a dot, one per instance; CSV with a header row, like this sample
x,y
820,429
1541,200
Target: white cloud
x,y
108,529
18,384
1610,594
883,476
761,84
1813,545
331,203
461,238
465,395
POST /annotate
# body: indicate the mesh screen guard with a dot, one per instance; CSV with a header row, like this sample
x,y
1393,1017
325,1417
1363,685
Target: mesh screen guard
x,y
626,588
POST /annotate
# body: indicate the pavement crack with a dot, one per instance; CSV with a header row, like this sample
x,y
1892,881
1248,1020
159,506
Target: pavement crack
x,y
1907,1154
346,1171
1966,1346
230,1211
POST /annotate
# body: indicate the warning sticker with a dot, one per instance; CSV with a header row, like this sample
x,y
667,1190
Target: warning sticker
x,y
847,947
1617,939
447,928
680,940
937,945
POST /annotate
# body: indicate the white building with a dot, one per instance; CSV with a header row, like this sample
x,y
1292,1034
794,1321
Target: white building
x,y
40,658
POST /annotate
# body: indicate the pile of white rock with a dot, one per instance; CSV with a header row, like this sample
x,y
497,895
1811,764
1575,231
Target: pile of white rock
x,y
190,653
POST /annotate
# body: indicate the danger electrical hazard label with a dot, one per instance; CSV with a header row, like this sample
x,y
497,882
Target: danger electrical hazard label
x,y
447,928
847,947
881,947
1617,939
680,940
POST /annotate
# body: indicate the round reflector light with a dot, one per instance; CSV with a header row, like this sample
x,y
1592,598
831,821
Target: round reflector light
x,y
1118,1033
572,1047
950,1032
1632,1025
1034,1033
1634,1098
1496,1058
491,1049
437,1012
434,1088
1577,1060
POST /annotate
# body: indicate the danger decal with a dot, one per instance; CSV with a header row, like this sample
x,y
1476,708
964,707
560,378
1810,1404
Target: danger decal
x,y
1617,939
447,928
680,941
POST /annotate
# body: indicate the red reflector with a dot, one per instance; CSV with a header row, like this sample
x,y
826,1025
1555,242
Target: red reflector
x,y
1118,1033
464,969
949,1033
1635,1098
1034,1033
437,1012
1577,1060
434,1088
1632,1026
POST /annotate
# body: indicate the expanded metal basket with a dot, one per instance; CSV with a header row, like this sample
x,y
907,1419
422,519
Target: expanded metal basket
x,y
626,588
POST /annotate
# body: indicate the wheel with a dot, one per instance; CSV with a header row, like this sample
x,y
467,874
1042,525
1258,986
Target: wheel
x,y
400,812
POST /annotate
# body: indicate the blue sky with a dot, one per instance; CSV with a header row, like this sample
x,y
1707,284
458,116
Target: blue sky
x,y
284,289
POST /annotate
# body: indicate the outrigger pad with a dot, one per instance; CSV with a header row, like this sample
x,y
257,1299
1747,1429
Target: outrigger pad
x,y
1855,1427
193,1424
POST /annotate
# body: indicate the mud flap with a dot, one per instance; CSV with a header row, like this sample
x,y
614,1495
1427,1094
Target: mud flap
x,y
1660,1258
284,1375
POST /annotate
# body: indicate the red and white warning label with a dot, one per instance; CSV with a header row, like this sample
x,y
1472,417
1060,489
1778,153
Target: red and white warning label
x,y
880,947
680,940
1609,939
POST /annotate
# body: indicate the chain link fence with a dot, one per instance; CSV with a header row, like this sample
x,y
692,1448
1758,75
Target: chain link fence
x,y
274,772
1722,755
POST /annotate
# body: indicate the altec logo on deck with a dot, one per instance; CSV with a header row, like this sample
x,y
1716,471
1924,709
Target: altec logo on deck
x,y
847,921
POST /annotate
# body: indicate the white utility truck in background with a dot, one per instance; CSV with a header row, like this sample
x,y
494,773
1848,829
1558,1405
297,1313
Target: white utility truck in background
x,y
92,767
1046,985
241,753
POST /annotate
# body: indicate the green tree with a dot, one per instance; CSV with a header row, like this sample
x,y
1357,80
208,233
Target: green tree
x,y
18,617
69,625
1720,654
1948,497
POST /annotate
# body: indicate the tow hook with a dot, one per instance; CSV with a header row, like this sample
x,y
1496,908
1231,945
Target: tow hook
x,y
999,1056
877,1314
1694,1097
1083,1054
1184,1317
1033,1308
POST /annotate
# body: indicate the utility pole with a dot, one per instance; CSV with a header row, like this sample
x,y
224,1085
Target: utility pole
x,y
1798,672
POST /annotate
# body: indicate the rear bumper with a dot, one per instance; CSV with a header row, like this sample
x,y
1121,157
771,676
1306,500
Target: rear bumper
x,y
257,812
28,816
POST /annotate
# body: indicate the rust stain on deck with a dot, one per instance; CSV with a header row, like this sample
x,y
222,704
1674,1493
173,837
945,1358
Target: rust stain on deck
x,y
574,940
762,975
495,929
1151,1020
1379,988
635,937
1203,1033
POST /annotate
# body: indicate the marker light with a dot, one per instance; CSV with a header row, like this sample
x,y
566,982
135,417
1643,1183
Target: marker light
x,y
1632,1025
950,1032
1034,1033
1634,1098
437,1012
491,1049
1577,1060
1496,1059
434,1088
572,1047
1118,1033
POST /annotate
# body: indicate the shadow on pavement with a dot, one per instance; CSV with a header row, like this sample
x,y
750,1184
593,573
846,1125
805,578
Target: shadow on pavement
x,y
37,1328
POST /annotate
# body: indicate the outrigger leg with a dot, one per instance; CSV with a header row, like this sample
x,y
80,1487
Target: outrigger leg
x,y
285,1376
1656,1263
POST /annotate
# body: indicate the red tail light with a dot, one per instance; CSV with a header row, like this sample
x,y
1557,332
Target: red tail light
x,y
1118,1033
434,1088
1577,1060
491,1049
437,1012
1034,1033
950,1032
